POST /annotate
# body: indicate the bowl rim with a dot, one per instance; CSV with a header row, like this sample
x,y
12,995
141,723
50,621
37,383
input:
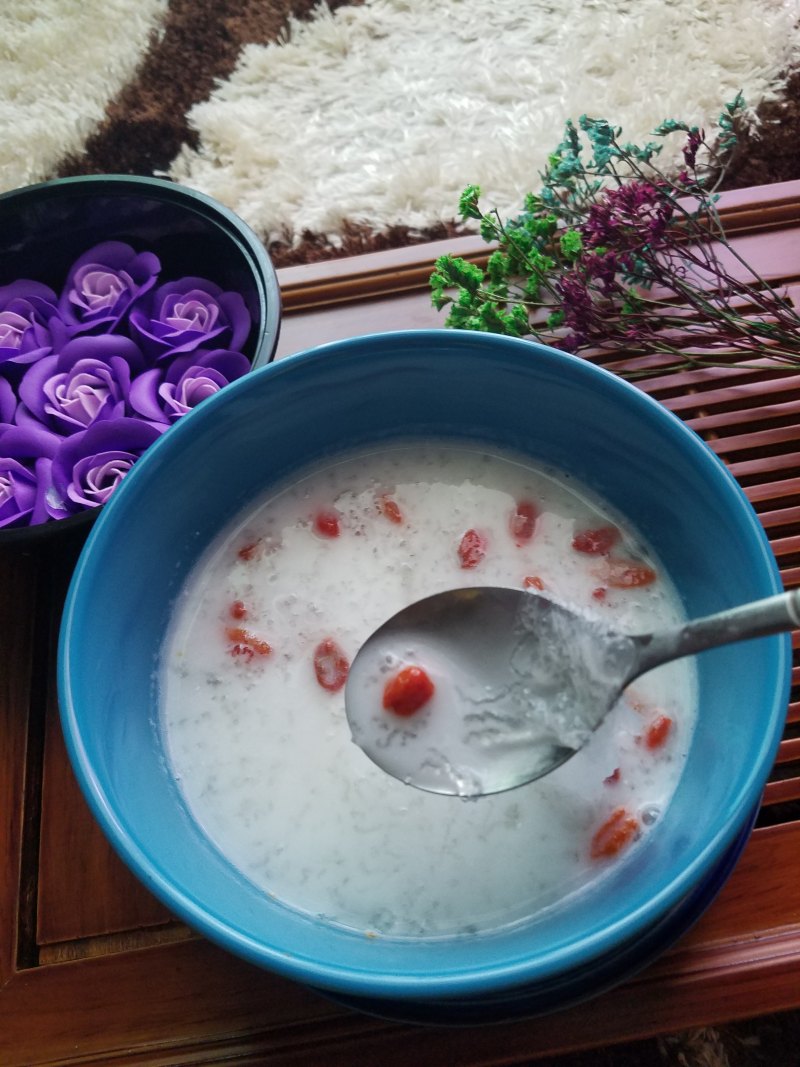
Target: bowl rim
x,y
330,975
250,246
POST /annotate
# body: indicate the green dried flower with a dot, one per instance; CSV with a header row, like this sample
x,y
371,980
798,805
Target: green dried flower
x,y
579,266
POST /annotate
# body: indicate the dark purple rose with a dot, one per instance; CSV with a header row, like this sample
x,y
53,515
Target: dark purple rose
x,y
89,466
103,284
29,322
187,314
88,381
167,392
25,473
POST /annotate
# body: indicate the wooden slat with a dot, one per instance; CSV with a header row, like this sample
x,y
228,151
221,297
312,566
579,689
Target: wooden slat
x,y
97,895
781,792
789,751
321,285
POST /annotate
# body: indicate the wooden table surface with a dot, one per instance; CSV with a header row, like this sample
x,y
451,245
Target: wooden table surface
x,y
94,970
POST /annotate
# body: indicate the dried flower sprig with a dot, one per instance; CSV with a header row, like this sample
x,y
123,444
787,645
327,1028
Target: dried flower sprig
x,y
615,256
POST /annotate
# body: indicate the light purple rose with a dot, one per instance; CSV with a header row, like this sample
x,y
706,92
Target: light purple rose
x,y
29,323
187,314
102,285
25,472
165,393
88,466
87,381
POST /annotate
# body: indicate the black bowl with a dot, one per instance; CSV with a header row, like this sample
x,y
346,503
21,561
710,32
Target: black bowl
x,y
46,227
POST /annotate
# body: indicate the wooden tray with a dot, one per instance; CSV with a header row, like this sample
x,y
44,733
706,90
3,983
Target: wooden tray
x,y
94,970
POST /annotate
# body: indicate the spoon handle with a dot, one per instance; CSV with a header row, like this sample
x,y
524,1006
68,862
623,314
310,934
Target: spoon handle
x,y
774,615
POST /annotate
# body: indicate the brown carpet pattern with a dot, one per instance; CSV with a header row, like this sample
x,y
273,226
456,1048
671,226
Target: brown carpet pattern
x,y
146,125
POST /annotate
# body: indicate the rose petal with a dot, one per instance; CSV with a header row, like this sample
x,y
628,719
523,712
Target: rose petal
x,y
29,442
103,284
94,460
8,401
239,317
87,381
29,322
183,315
143,396
231,365
17,492
165,393
43,467
191,390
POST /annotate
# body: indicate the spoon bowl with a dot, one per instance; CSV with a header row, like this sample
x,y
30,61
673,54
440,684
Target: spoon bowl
x,y
520,682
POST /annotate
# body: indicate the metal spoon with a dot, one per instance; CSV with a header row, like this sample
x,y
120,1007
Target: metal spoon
x,y
521,682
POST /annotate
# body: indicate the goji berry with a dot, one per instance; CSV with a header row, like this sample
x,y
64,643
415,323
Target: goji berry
x,y
238,610
243,642
615,834
390,509
597,542
472,549
326,523
409,690
658,731
330,665
249,551
523,522
628,574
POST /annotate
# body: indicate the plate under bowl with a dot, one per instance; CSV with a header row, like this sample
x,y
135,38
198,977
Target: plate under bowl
x,y
512,394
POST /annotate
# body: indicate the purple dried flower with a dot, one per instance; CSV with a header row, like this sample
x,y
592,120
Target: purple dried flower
x,y
693,142
103,284
577,305
87,382
89,465
29,322
628,217
191,313
602,268
164,394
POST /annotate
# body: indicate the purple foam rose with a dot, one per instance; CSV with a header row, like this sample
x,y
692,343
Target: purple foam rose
x,y
89,465
29,322
187,314
165,393
8,402
19,493
25,475
102,285
87,381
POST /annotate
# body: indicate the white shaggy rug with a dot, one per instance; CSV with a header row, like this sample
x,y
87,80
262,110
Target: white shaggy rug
x,y
375,114
61,61
381,114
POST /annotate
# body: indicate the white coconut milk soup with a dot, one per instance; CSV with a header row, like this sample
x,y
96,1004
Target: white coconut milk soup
x,y
252,692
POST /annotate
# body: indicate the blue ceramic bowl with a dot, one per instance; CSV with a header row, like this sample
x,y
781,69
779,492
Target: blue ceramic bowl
x,y
560,410
44,228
